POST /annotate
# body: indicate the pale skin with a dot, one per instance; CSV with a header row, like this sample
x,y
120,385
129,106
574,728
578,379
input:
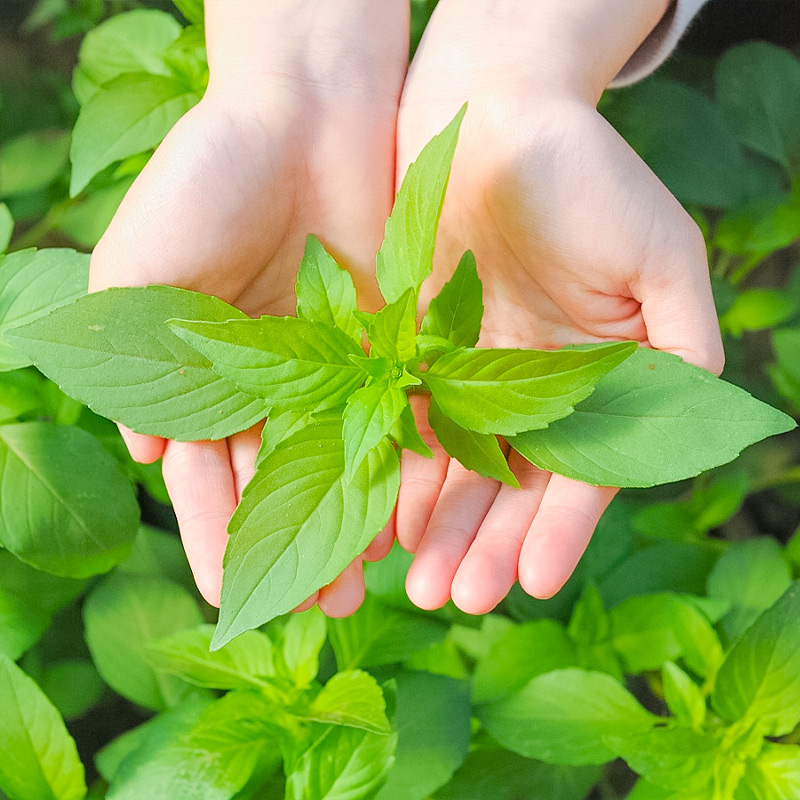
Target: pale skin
x,y
576,240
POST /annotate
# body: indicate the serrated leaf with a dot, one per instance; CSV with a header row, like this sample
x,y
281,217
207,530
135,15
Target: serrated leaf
x,y
369,415
456,312
509,391
300,523
392,331
291,363
38,757
406,255
32,284
279,427
325,291
479,452
654,419
404,432
113,351
6,227
353,699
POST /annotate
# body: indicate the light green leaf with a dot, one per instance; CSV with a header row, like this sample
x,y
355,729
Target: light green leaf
x,y
353,699
456,312
761,226
369,415
757,309
393,330
291,363
86,218
114,351
654,419
67,507
241,664
565,716
279,427
131,113
38,757
786,373
299,503
36,589
303,638
122,615
509,391
158,554
479,452
325,291
31,162
32,284
758,90
773,775
407,436
72,685
21,624
433,728
406,255
683,696
758,679
6,227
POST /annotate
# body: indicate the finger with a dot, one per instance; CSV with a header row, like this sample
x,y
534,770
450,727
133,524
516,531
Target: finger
x,y
343,596
144,449
489,568
201,485
462,505
560,531
306,604
243,448
380,546
421,481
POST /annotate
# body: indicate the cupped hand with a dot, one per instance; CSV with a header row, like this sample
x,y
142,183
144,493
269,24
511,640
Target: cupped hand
x,y
576,241
224,207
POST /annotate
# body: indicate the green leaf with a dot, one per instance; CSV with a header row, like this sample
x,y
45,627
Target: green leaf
x,y
291,363
757,309
479,452
369,415
31,162
114,351
38,757
785,343
683,696
131,113
122,615
39,590
279,427
6,227
456,312
68,509
773,775
406,255
406,434
509,391
21,625
241,664
158,554
73,686
758,679
86,218
377,634
565,716
654,419
192,10
761,226
325,291
758,90
433,728
299,503
130,42
353,699
303,638
393,330
32,284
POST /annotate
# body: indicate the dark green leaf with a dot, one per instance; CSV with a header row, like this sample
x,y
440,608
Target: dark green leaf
x,y
353,699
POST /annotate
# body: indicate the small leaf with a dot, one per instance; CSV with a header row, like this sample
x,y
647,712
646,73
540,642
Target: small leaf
x,y
479,452
509,391
303,638
406,255
38,757
683,696
405,433
654,419
325,291
353,699
392,331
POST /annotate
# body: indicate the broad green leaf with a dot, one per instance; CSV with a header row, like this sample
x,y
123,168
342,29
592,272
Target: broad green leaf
x,y
67,506
31,162
303,638
325,291
113,351
21,624
455,313
393,330
479,452
433,729
131,113
377,634
406,255
565,716
291,363
758,679
369,415
130,42
773,775
524,652
6,227
756,309
279,427
38,757
73,686
353,699
683,696
758,90
40,590
654,419
341,764
509,391
751,576
122,615
407,436
241,664
32,284
300,503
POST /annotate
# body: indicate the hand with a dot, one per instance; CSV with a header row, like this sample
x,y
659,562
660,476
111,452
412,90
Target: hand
x,y
289,140
576,241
